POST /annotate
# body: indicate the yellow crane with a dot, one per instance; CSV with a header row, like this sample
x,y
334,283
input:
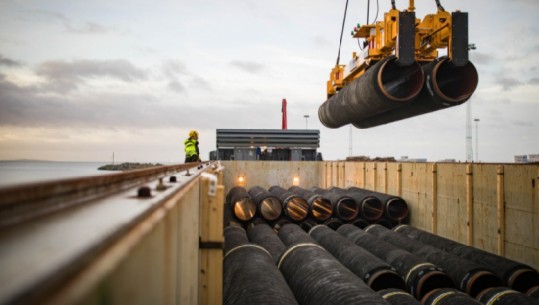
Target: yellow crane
x,y
398,73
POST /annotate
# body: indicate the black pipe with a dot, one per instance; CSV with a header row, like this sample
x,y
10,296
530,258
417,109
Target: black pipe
x,y
395,208
295,207
470,277
515,275
384,86
446,85
448,296
241,202
344,206
419,275
317,278
398,297
268,205
277,224
533,292
250,275
229,219
266,237
371,208
372,270
320,207
360,223
386,223
505,296
333,223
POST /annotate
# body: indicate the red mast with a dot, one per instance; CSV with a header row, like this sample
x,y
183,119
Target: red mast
x,y
283,110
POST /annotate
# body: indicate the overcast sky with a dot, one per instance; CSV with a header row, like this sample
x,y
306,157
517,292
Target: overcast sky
x,y
80,80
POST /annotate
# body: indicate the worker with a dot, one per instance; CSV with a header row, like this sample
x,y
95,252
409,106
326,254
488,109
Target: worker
x,y
191,147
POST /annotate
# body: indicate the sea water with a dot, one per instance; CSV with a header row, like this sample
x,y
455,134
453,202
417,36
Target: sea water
x,y
22,172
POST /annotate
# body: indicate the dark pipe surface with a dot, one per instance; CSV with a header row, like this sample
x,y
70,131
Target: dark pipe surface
x,y
229,219
316,277
505,296
373,271
515,275
448,296
344,206
333,223
371,208
241,202
533,292
295,207
398,297
395,208
382,87
268,205
469,276
419,275
266,237
446,85
320,207
360,223
250,275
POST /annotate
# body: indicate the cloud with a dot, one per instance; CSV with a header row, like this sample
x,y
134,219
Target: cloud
x,y
534,81
481,58
65,76
508,83
176,86
173,68
85,27
9,62
248,66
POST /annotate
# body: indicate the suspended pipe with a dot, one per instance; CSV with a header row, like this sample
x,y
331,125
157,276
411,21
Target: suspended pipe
x,y
469,277
320,207
395,208
266,237
241,202
448,296
295,207
250,275
419,275
515,275
370,207
268,205
505,296
344,207
373,271
398,297
446,85
384,86
316,277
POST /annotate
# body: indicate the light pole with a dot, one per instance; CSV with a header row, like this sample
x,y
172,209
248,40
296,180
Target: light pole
x,y
306,119
476,120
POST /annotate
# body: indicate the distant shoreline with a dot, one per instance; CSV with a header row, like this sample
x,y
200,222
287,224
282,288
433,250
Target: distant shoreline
x,y
127,166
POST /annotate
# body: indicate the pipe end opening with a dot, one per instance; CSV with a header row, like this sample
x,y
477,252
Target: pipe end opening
x,y
347,209
297,209
245,209
321,209
271,208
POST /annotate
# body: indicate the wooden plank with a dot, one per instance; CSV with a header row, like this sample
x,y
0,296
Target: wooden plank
x,y
500,210
451,201
469,204
485,226
434,227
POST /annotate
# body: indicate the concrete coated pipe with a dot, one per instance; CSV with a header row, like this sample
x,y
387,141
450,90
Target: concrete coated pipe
x,y
317,278
505,296
373,271
398,297
470,277
448,296
515,275
446,85
384,86
295,207
320,208
241,203
269,206
420,276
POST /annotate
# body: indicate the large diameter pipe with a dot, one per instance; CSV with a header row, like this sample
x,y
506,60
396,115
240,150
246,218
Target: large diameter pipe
x,y
241,202
373,271
446,85
320,208
448,296
344,206
534,292
470,277
515,275
268,205
295,207
263,235
505,296
317,278
370,207
384,86
249,274
395,208
398,297
420,276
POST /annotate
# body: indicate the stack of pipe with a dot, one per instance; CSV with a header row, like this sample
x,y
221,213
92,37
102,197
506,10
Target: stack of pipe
x,y
320,207
268,205
344,206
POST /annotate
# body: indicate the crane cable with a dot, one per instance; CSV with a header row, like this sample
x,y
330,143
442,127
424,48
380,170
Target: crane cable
x,y
440,7
342,30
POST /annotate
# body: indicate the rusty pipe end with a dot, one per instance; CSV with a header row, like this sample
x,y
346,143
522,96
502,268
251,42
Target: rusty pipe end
x,y
270,208
372,208
296,208
400,83
386,278
431,280
453,84
396,209
480,280
346,208
321,208
523,279
244,208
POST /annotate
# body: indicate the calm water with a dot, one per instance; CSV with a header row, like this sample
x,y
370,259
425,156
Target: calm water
x,y
19,172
